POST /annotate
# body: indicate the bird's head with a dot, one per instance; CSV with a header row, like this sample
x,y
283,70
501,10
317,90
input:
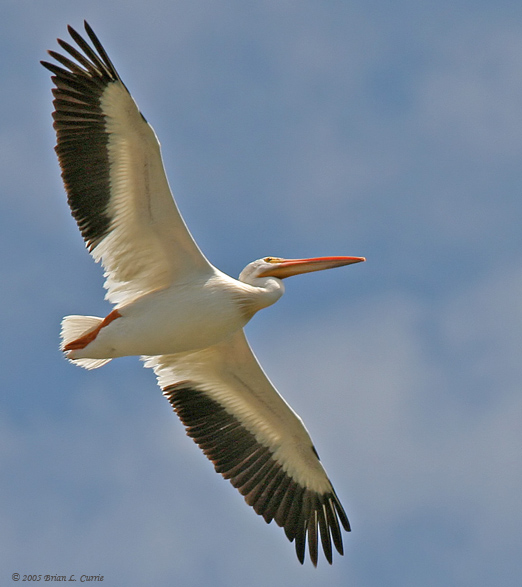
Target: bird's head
x,y
281,268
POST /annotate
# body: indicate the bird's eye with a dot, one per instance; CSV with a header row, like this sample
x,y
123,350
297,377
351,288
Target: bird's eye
x,y
270,259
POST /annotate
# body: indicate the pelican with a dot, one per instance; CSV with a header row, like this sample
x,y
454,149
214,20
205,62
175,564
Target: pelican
x,y
173,308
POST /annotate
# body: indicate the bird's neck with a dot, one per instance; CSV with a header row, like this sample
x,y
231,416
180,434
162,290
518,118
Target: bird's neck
x,y
262,292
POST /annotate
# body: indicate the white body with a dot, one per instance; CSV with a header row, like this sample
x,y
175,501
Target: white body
x,y
180,318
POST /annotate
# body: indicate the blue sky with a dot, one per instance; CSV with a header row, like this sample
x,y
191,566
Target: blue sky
x,y
392,131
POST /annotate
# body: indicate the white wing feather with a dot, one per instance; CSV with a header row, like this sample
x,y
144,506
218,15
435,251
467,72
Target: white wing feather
x,y
230,374
149,245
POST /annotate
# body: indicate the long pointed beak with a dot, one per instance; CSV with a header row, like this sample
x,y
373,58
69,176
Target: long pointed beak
x,y
288,267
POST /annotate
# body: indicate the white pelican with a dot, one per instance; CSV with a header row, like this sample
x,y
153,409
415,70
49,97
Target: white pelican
x,y
172,307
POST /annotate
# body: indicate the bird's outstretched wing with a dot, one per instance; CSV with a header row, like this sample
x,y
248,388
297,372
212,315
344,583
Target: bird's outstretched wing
x,y
114,177
254,438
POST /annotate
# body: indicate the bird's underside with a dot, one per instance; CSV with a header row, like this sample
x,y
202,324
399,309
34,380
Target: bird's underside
x,y
173,307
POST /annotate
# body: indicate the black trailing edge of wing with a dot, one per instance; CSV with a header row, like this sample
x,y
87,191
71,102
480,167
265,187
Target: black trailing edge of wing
x,y
81,133
252,468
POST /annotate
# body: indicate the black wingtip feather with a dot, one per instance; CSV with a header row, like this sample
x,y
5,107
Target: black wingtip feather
x,y
312,534
101,50
324,529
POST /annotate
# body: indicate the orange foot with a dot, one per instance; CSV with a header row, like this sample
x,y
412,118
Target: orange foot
x,y
83,341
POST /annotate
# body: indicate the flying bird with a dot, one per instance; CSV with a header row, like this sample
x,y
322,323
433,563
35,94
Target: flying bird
x,y
173,308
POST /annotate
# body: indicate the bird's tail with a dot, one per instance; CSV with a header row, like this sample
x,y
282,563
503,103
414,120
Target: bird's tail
x,y
74,328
